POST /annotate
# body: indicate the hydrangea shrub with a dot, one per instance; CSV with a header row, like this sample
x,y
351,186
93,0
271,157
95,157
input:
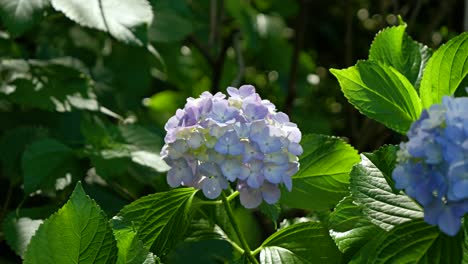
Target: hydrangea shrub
x,y
241,139
433,165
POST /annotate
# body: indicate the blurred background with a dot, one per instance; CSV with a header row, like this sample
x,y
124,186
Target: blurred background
x,y
284,48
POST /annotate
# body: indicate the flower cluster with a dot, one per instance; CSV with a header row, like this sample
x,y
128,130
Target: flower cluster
x,y
433,164
215,140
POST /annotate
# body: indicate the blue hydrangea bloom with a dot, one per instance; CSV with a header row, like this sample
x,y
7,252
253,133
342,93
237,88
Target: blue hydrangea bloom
x,y
241,139
433,165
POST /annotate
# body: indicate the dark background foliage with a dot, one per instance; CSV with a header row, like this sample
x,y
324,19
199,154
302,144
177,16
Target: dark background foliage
x,y
85,104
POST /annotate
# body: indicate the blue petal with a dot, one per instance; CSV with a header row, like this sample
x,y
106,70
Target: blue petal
x,y
273,172
271,193
250,198
211,188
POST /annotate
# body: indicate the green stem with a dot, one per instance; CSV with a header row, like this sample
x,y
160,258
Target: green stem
x,y
257,250
239,234
236,247
229,198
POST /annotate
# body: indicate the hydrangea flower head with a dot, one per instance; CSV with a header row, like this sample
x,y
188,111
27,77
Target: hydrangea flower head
x,y
240,139
433,165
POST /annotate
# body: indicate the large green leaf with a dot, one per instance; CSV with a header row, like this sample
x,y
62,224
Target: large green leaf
x,y
20,15
349,228
446,71
323,178
411,242
380,205
45,161
385,159
160,219
52,85
131,248
127,21
380,92
307,242
78,233
394,47
205,242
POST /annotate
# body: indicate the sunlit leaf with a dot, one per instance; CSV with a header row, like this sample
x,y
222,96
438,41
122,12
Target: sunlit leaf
x,y
379,204
78,233
380,92
323,177
18,15
392,46
446,71
300,243
127,21
160,219
411,242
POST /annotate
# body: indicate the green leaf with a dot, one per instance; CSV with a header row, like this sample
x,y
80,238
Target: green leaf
x,y
45,161
131,248
145,147
323,178
205,240
381,93
19,226
272,211
160,219
446,71
307,242
380,205
173,21
78,233
119,150
16,141
108,16
349,228
19,231
385,159
18,15
127,160
50,85
465,242
393,47
206,252
411,242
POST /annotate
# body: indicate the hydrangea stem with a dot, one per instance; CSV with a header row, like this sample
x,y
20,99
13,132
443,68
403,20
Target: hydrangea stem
x,y
245,246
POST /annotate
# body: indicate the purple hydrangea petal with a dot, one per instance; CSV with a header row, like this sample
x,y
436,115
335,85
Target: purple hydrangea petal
x,y
230,144
295,148
241,139
251,152
224,113
249,198
274,172
253,111
211,188
279,157
195,140
180,173
255,180
271,193
231,169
